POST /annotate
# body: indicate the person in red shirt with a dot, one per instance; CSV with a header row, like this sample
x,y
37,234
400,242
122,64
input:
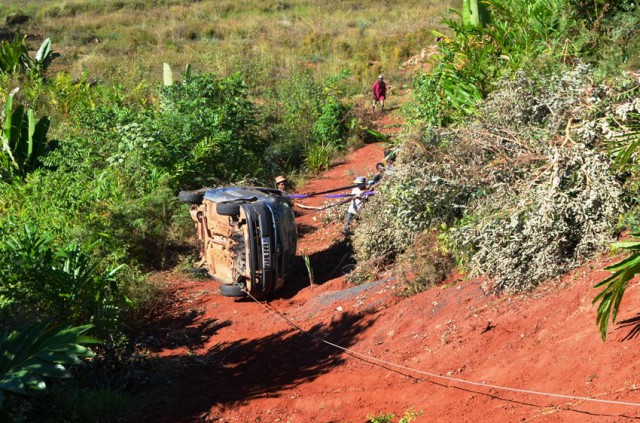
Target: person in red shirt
x,y
379,92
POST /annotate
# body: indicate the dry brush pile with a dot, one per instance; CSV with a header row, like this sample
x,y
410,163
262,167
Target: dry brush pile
x,y
521,194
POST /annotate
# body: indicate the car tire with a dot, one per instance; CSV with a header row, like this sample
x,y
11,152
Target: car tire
x,y
231,290
191,197
228,209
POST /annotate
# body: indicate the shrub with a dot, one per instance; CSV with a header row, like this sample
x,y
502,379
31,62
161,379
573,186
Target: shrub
x,y
62,283
424,264
523,192
544,228
332,126
468,63
206,129
37,352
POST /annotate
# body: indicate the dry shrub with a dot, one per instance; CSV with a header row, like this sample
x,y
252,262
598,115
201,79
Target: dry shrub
x,y
523,193
424,264
545,225
437,174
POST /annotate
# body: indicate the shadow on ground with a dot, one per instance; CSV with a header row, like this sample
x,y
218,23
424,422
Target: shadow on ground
x,y
236,372
177,323
632,323
326,265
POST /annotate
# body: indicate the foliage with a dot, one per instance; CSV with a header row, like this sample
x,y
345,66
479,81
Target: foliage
x,y
308,123
424,264
513,204
624,150
408,416
468,63
332,126
475,12
593,11
427,188
205,129
381,418
29,356
613,287
61,283
319,157
24,141
14,57
546,228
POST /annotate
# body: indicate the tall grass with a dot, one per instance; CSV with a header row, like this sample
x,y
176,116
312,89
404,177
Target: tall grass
x,y
128,41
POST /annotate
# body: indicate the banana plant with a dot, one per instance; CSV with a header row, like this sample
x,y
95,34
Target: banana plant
x,y
30,356
13,55
23,140
44,57
615,285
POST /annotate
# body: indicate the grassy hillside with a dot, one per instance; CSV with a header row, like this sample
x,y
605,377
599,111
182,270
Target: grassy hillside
x,y
127,41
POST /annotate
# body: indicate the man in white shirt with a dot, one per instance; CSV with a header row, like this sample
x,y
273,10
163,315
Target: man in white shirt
x,y
356,202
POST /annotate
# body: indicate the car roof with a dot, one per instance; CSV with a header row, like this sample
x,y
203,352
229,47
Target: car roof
x,y
235,193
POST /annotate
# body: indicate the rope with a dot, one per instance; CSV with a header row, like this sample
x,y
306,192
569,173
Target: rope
x,y
276,313
320,208
315,194
304,206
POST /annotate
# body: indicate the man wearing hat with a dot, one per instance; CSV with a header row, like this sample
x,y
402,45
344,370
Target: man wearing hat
x,y
379,92
356,202
281,183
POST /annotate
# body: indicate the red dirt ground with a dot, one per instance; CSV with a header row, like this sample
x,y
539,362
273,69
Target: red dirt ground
x,y
280,362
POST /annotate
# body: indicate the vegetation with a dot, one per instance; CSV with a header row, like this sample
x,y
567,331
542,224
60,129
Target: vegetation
x,y
613,287
39,352
512,134
409,416
98,139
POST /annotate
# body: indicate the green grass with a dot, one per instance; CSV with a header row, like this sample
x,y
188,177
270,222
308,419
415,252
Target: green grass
x,y
128,41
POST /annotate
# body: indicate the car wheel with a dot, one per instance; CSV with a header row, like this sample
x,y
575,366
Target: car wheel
x,y
228,209
232,290
191,197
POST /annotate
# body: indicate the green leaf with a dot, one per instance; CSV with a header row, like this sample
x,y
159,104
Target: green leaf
x,y
632,260
39,352
615,286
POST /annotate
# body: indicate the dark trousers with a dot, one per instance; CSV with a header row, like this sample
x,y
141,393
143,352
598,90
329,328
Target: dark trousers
x,y
347,221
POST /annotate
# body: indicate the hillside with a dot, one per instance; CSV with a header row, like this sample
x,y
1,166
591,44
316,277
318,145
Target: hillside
x,y
466,289
335,352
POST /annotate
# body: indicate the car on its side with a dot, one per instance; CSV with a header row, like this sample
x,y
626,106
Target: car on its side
x,y
246,237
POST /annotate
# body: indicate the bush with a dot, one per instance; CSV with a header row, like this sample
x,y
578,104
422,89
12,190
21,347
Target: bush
x,y
424,264
205,129
61,283
523,193
544,228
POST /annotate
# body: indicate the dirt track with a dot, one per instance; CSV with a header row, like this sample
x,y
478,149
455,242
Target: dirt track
x,y
256,362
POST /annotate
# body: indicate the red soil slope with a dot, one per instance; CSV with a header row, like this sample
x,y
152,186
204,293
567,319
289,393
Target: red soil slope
x,y
334,352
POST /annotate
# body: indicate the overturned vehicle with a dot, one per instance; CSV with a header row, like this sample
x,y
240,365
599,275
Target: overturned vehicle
x,y
246,237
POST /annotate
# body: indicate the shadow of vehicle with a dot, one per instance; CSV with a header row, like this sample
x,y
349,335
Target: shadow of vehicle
x,y
242,370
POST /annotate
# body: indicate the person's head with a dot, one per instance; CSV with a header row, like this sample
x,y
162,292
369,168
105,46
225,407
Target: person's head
x,y
380,77
361,181
281,182
380,167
